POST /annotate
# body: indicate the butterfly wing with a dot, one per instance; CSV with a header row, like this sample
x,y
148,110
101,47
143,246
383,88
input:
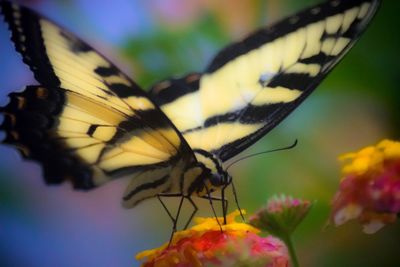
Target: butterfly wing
x,y
252,85
87,122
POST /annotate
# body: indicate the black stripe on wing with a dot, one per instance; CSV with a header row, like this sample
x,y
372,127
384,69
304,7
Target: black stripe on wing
x,y
29,118
167,91
288,25
275,113
257,114
146,186
27,37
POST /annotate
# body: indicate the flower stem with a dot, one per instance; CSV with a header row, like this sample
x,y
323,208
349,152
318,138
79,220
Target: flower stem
x,y
292,252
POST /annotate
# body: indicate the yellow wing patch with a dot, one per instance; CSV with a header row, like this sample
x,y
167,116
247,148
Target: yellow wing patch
x,y
218,135
97,124
252,85
75,65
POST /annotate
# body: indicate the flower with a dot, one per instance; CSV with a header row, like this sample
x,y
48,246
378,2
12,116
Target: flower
x,y
370,187
281,215
205,245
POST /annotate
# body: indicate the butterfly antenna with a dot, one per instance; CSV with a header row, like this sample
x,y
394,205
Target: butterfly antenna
x,y
263,152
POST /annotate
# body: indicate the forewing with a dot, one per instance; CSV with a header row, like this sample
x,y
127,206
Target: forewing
x,y
88,122
252,85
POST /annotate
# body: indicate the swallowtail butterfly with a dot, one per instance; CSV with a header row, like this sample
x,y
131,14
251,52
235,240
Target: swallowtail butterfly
x,y
89,123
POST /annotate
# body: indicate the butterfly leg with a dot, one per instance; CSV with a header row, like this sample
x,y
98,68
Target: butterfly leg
x,y
165,208
175,220
193,213
224,203
222,199
212,206
236,200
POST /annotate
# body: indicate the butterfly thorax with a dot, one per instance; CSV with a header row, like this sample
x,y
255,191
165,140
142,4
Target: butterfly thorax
x,y
206,175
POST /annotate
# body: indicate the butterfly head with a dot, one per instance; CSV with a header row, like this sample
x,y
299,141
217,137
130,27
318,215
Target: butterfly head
x,y
210,175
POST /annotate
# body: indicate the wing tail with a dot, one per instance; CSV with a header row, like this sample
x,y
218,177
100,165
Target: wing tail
x,y
29,120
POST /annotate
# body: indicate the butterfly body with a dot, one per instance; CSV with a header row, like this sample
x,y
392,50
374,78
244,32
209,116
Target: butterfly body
x,y
215,176
89,123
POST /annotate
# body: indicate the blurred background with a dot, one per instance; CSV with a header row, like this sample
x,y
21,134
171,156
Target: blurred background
x,y
357,105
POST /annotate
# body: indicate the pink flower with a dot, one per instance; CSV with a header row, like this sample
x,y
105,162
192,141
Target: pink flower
x,y
205,245
281,215
370,188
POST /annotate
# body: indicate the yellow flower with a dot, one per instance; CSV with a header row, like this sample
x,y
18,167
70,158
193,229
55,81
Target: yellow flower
x,y
370,187
205,245
371,158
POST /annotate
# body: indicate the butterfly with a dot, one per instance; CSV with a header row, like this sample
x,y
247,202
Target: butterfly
x,y
88,123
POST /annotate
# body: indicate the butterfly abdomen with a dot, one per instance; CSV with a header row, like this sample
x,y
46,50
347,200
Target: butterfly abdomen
x,y
29,121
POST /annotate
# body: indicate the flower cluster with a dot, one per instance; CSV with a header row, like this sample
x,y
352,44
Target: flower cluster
x,y
281,215
205,245
370,188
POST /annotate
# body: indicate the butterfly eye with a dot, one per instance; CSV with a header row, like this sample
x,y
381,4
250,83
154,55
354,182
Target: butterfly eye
x,y
216,179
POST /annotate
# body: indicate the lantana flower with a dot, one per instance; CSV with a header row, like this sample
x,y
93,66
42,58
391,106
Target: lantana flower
x,y
370,187
280,217
205,245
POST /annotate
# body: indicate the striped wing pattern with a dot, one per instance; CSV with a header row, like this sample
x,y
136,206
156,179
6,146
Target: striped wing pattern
x,y
252,85
87,122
